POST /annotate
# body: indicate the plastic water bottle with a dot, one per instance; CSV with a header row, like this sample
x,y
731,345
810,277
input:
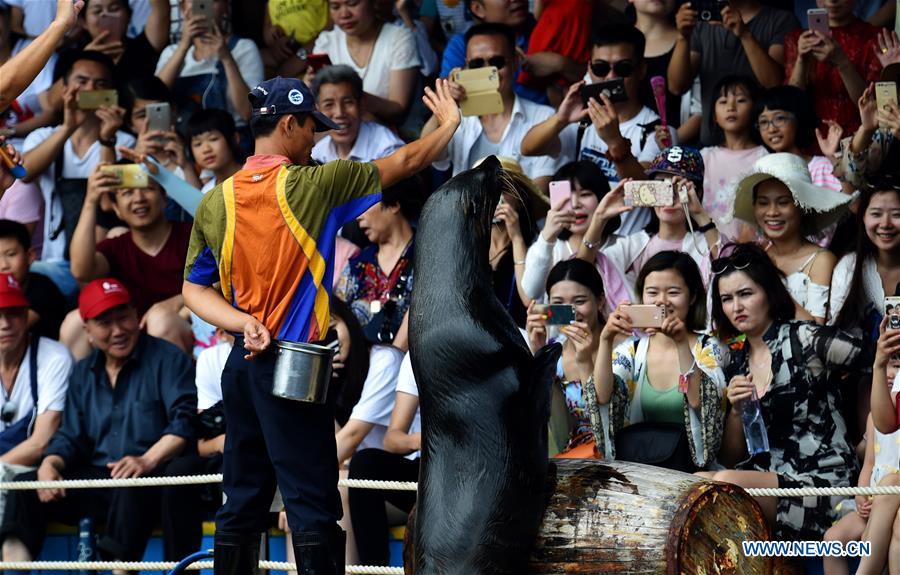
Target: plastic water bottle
x,y
754,426
85,542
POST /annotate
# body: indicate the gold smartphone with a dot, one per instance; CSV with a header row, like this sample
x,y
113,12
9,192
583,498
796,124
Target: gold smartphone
x,y
646,315
885,92
482,87
130,175
93,99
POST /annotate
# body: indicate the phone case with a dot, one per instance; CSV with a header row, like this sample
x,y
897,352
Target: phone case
x,y
557,314
710,10
615,91
159,117
130,175
559,191
649,193
818,20
93,99
646,315
892,311
885,92
203,8
482,87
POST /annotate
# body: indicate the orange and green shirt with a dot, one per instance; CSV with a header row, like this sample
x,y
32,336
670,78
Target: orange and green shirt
x,y
267,236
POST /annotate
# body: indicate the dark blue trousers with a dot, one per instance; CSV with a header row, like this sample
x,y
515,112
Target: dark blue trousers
x,y
269,440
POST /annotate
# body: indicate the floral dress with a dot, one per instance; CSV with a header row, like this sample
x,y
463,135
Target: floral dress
x,y
807,433
629,362
573,394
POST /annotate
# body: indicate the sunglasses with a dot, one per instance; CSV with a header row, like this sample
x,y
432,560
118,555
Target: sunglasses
x,y
622,68
495,61
737,260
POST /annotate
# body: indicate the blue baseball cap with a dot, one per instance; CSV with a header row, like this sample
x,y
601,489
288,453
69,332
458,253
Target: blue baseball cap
x,y
280,96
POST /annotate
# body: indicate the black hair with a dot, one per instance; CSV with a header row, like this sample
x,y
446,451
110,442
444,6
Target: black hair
x,y
16,231
578,271
613,33
338,74
727,85
347,386
589,176
763,272
408,195
213,119
797,102
690,273
262,126
148,88
850,315
124,3
493,29
67,61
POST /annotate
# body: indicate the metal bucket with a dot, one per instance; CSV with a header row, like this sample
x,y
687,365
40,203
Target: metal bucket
x,y
302,371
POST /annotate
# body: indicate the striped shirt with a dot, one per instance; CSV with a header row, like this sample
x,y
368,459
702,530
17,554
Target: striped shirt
x,y
267,236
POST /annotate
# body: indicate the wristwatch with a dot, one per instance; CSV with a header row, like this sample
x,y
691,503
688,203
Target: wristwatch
x,y
110,143
706,227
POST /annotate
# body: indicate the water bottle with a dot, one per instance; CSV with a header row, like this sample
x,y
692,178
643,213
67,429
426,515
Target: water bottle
x,y
85,548
754,426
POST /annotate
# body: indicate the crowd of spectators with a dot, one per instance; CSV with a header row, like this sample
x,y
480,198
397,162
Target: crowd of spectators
x,y
772,261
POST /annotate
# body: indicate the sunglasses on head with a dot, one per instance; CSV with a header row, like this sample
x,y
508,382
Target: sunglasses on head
x,y
736,260
622,68
495,61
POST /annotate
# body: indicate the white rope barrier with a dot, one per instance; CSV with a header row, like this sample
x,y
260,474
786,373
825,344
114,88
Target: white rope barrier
x,y
396,486
169,565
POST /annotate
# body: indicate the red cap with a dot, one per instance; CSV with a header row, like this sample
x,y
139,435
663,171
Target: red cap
x,y
11,294
101,295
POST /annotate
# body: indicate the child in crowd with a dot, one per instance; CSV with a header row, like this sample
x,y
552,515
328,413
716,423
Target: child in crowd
x,y
870,519
736,150
215,145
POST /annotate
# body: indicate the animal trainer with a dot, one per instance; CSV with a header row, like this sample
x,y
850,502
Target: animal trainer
x,y
266,237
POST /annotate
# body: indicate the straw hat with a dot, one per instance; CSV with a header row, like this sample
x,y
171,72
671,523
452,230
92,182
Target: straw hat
x,y
539,202
821,206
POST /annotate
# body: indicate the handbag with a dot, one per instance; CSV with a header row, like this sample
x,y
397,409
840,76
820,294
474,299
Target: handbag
x,y
383,326
655,443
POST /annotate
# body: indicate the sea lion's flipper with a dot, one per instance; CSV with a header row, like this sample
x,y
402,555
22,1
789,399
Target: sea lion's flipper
x,y
541,372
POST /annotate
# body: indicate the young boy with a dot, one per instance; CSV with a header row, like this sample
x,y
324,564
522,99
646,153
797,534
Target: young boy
x,y
48,307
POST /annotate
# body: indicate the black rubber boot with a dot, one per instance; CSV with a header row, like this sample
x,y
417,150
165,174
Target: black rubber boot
x,y
236,553
319,553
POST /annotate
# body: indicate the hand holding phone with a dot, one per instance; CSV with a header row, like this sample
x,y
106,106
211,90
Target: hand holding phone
x,y
557,314
649,193
613,89
482,86
94,99
561,195
159,117
646,316
130,175
818,21
892,311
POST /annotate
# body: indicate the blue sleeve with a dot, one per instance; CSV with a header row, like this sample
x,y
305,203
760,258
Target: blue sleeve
x,y
179,395
187,196
454,55
71,441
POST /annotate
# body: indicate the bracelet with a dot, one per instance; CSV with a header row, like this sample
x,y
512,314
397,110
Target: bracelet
x,y
519,262
706,227
591,245
110,143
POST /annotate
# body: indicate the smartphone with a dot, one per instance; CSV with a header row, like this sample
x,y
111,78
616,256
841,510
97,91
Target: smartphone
x,y
709,10
614,90
482,87
498,220
818,21
646,315
892,311
885,92
110,23
204,8
318,61
93,99
130,175
559,191
649,193
557,314
159,117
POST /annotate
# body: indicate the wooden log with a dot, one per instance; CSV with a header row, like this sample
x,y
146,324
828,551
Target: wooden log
x,y
620,517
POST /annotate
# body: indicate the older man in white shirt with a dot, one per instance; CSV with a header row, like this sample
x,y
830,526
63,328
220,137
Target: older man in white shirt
x,y
339,92
498,134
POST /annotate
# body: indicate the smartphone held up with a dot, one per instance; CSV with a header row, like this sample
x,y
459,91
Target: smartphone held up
x,y
557,314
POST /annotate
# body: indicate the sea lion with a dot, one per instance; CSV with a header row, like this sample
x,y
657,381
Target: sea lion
x,y
484,398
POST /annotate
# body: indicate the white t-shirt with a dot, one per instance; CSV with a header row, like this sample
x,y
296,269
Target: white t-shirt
x,y
54,365
378,394
73,167
406,383
395,49
208,378
245,54
374,141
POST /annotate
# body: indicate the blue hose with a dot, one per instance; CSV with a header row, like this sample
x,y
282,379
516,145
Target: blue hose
x,y
198,556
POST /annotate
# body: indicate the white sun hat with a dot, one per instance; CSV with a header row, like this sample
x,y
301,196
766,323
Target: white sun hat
x,y
821,206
